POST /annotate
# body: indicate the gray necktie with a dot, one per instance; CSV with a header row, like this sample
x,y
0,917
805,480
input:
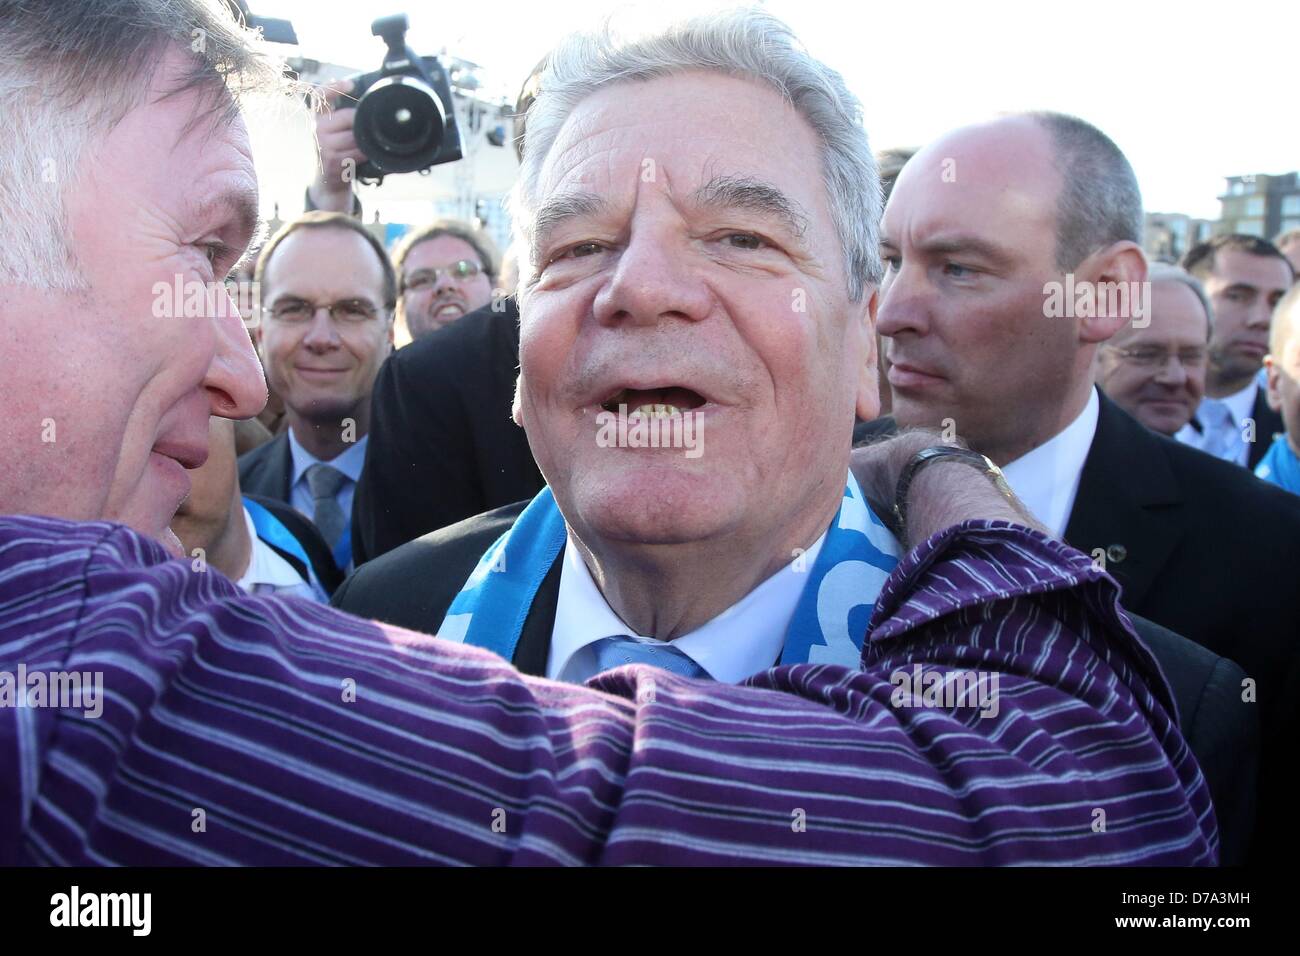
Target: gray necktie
x,y
614,652
325,483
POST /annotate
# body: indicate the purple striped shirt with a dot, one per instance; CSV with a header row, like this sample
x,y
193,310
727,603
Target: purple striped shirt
x,y
261,730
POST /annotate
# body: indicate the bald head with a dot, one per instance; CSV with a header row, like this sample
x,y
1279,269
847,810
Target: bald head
x,y
981,226
1283,365
1283,327
1095,195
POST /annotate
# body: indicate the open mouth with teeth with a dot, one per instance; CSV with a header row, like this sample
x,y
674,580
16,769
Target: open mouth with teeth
x,y
669,400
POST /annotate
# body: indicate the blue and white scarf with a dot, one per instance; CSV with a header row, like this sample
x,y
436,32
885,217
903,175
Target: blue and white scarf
x,y
1280,466
829,623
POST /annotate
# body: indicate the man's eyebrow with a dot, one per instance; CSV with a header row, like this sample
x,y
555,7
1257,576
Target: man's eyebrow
x,y
557,210
237,204
743,192
965,245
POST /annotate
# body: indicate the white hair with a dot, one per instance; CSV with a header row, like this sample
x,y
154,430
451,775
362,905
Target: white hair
x,y
69,70
1166,272
747,43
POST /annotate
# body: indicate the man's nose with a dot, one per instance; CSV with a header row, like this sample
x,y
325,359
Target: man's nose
x,y
235,383
904,305
1171,372
321,335
657,275
1261,314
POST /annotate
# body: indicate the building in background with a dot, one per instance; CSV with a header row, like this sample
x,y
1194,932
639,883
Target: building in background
x,y
1260,205
1167,235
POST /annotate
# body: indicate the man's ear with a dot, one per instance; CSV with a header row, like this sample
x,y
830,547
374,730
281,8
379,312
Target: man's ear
x,y
868,399
1273,393
255,333
517,406
1118,274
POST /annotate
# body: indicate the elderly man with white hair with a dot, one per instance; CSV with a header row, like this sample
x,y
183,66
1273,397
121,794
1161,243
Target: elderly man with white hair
x,y
310,736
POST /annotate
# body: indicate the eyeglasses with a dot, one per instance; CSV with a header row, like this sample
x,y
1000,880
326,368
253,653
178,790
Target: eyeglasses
x,y
1154,356
458,271
348,311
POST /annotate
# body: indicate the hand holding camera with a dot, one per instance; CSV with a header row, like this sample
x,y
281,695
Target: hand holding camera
x,y
397,119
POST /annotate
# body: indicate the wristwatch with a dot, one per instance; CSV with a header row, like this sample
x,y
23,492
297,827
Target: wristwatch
x,y
937,453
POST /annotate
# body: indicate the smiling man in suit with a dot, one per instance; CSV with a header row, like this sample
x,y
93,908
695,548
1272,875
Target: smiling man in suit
x,y
982,227
327,291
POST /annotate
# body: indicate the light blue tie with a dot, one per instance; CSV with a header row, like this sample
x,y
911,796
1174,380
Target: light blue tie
x,y
1224,439
614,652
325,483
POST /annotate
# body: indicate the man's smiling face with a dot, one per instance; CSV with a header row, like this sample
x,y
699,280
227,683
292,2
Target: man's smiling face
x,y
688,257
109,404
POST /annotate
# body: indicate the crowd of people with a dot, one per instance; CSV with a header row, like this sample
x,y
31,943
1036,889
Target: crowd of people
x,y
953,430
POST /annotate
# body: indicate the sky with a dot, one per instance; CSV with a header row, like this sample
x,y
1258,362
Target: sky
x,y
1138,69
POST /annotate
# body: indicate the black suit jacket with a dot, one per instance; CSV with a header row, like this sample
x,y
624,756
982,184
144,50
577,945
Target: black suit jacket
x,y
413,586
267,470
442,444
1212,552
1267,424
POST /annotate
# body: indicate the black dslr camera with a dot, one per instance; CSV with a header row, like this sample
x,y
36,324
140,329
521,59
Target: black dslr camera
x,y
405,120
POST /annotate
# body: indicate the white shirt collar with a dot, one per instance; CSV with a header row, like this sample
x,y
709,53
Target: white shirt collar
x,y
1047,478
349,462
744,639
1241,403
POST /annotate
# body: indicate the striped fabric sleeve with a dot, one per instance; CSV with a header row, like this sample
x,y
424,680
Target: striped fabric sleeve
x,y
260,730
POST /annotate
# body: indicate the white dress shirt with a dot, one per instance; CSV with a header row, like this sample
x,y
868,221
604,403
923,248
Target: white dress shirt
x,y
1222,421
1047,478
349,463
268,573
744,639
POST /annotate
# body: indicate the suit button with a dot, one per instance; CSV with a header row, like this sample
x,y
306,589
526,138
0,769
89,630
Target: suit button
x,y
1116,553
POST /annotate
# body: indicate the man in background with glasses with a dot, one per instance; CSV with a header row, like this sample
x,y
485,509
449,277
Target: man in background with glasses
x,y
1156,373
445,270
327,291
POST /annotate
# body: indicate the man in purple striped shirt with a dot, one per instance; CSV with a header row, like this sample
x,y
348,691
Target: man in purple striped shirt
x,y
151,713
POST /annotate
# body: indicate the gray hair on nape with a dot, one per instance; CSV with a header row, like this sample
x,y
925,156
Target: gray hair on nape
x,y
745,42
69,71
1165,272
1100,203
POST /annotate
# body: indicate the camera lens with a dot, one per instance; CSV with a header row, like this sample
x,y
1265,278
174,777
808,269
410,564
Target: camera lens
x,y
399,124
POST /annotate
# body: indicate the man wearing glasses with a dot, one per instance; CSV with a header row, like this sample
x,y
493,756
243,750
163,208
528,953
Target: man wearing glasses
x,y
445,270
325,326
1156,373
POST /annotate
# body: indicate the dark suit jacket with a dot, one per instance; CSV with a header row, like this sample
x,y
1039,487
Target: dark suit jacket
x,y
267,469
413,586
1210,551
1267,424
442,444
